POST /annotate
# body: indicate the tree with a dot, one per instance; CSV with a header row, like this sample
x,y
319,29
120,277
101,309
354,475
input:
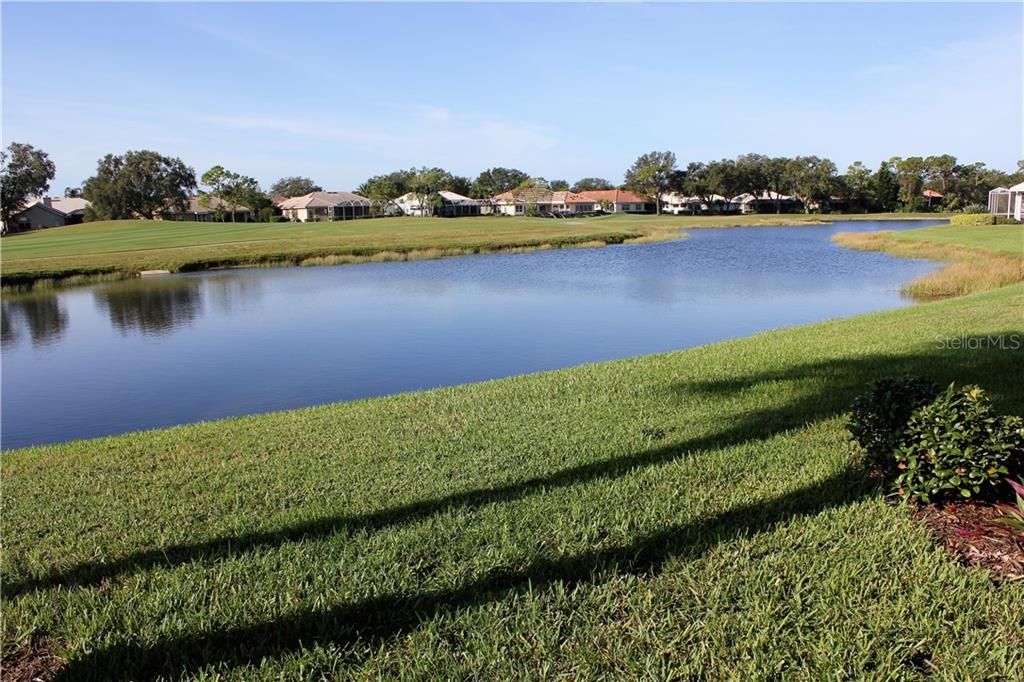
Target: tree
x,y
24,172
382,190
910,175
232,190
857,184
247,193
220,181
497,180
722,178
885,188
780,175
426,184
813,180
459,185
294,186
752,174
651,174
534,183
591,185
969,185
559,185
940,170
138,184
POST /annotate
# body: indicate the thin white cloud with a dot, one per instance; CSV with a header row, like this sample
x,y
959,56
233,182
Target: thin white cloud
x,y
309,128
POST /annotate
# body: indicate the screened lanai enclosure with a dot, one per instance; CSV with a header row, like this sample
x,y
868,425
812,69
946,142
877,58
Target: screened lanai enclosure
x,y
340,212
1007,202
325,206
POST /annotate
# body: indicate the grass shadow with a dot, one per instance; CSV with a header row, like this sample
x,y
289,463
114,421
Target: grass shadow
x,y
374,620
814,391
832,384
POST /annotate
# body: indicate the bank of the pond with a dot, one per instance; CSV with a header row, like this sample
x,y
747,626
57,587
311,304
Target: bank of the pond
x,y
694,513
978,258
121,249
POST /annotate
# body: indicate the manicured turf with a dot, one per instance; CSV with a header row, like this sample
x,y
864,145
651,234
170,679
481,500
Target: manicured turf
x,y
123,248
1004,238
694,513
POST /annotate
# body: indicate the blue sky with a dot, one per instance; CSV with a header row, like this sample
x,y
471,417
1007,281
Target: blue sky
x,y
340,92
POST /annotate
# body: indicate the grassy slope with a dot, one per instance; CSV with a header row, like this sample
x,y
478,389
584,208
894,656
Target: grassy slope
x,y
978,258
690,512
1002,238
130,246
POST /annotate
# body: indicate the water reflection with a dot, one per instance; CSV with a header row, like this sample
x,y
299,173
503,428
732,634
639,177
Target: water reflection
x,y
153,307
200,346
230,293
43,314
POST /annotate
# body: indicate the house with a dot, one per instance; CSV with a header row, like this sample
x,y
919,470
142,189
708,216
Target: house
x,y
1007,202
325,206
73,208
541,201
679,204
534,200
767,202
619,201
47,212
215,210
931,195
451,205
571,202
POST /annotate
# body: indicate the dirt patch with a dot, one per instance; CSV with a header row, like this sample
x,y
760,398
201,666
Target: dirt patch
x,y
971,532
33,662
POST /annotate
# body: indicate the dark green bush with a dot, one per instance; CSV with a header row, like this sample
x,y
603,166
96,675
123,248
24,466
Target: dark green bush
x,y
878,417
958,446
278,219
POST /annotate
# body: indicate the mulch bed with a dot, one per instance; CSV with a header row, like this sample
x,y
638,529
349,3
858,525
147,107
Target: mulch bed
x,y
971,533
34,662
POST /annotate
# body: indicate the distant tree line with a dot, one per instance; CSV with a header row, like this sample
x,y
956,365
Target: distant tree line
x,y
896,185
147,184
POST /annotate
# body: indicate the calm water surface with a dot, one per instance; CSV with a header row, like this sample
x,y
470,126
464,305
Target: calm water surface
x,y
148,353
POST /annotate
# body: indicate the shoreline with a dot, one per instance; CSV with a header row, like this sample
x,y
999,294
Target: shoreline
x,y
661,228
965,270
737,449
385,524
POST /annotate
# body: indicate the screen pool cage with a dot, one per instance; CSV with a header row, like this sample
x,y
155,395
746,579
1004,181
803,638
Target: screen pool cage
x,y
1007,202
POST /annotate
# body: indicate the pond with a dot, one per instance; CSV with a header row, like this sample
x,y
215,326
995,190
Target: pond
x,y
148,353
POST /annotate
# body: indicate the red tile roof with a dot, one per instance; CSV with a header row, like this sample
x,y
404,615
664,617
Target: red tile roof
x,y
616,196
570,198
537,195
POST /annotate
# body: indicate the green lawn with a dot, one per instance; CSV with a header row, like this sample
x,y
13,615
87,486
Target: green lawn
x,y
1003,238
695,513
978,258
126,247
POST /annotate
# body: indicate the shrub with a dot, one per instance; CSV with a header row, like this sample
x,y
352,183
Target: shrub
x,y
1014,514
972,219
974,209
958,446
278,219
878,417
